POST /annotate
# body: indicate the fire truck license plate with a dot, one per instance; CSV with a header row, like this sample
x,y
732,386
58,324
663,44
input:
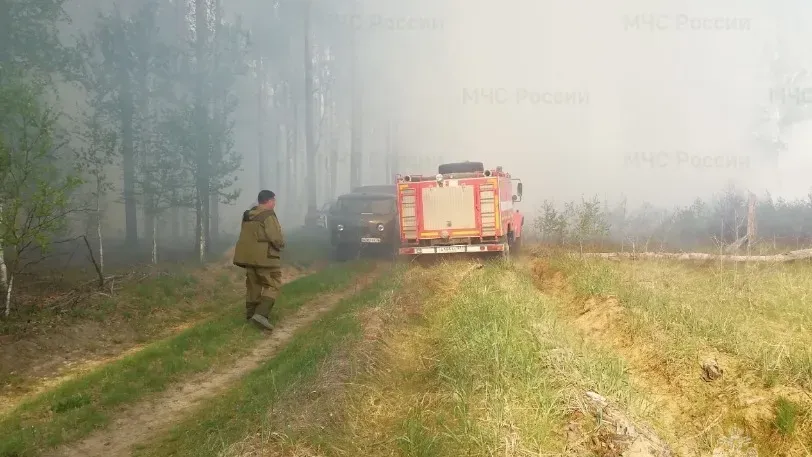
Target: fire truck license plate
x,y
446,249
370,240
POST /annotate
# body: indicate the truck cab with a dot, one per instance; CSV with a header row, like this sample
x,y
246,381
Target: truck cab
x,y
362,223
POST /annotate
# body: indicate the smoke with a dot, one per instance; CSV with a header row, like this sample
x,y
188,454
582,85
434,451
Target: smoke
x,y
659,102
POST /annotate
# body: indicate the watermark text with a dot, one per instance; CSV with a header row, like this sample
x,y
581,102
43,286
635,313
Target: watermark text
x,y
522,96
379,22
685,23
685,160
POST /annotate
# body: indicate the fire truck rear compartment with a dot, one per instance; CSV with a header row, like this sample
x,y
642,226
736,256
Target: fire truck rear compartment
x,y
450,208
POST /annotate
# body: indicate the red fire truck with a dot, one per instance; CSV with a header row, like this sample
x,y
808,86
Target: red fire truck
x,y
463,208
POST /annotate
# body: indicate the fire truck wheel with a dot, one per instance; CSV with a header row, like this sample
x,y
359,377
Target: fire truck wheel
x,y
506,253
517,245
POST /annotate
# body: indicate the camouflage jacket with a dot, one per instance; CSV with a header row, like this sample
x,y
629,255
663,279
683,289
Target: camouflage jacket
x,y
261,240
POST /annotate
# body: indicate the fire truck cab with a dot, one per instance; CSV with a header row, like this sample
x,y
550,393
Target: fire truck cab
x,y
463,208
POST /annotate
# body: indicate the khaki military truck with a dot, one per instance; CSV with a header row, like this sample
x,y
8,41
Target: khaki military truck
x,y
364,224
376,189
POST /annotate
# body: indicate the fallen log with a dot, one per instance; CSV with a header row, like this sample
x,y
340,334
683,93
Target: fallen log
x,y
785,257
632,439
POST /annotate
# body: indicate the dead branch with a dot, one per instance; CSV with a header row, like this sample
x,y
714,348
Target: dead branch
x,y
634,438
785,257
95,264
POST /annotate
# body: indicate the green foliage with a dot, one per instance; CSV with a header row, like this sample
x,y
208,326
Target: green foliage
x,y
551,224
699,225
36,196
579,222
30,36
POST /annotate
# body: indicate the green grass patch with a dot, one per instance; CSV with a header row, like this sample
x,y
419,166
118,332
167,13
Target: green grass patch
x,y
513,365
243,410
487,367
79,406
786,416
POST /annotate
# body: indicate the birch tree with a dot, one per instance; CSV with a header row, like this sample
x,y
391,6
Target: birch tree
x,y
93,159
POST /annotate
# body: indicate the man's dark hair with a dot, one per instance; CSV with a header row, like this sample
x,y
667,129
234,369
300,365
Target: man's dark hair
x,y
264,196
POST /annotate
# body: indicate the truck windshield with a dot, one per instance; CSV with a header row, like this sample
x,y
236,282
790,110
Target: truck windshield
x,y
366,205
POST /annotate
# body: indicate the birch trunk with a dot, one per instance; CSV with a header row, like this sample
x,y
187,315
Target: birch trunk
x,y
4,280
99,232
9,285
201,233
155,240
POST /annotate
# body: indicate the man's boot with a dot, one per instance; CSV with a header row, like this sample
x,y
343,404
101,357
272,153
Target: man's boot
x,y
263,311
250,309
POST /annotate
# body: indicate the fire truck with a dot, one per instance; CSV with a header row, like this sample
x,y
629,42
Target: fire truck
x,y
464,208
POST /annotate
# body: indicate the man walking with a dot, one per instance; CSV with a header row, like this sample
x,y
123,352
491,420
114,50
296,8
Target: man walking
x,y
258,251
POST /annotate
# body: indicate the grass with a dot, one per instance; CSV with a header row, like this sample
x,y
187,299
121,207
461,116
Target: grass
x,y
786,416
79,406
137,301
758,313
56,316
169,292
243,410
753,319
473,363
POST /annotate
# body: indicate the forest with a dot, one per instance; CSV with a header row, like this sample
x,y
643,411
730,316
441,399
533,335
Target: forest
x,y
122,135
137,104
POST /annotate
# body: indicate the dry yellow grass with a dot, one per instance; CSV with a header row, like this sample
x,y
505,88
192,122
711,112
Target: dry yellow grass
x,y
667,319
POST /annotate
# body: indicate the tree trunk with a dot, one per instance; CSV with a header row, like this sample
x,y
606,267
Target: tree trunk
x,y
295,161
3,269
154,240
356,116
9,286
219,116
395,153
175,221
144,140
201,233
388,162
333,151
290,179
311,180
202,118
279,156
99,231
261,126
128,161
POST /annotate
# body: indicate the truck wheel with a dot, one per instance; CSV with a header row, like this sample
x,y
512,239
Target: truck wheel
x,y
517,246
338,253
343,252
506,253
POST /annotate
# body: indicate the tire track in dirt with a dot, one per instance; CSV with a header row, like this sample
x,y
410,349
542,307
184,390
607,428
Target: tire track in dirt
x,y
141,422
58,368
346,389
696,412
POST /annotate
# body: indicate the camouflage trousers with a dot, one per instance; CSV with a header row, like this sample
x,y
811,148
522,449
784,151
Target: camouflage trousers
x,y
261,289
